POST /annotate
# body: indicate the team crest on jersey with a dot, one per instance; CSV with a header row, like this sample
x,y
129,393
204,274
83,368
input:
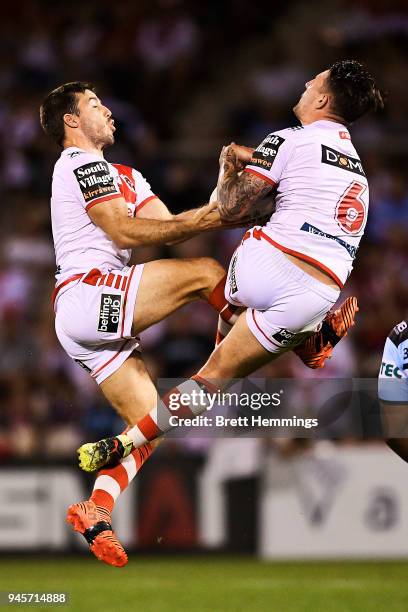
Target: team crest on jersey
x,y
265,154
125,179
340,160
95,180
109,313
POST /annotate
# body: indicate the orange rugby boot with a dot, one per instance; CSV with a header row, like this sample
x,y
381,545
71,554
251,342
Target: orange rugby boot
x,y
317,348
95,525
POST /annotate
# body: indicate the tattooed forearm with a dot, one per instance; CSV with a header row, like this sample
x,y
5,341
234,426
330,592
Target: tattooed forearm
x,y
237,194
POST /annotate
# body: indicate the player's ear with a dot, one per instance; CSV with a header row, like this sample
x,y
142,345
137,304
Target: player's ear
x,y
71,120
322,100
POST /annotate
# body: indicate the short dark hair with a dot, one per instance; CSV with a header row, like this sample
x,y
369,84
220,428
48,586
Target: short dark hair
x,y
57,103
354,90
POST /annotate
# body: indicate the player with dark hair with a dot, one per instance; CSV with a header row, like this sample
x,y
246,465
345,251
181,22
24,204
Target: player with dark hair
x,y
289,273
100,211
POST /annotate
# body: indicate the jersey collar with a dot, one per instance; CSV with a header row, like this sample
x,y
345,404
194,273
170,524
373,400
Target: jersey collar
x,y
326,124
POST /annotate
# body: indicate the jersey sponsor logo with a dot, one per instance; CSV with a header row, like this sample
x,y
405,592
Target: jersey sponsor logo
x,y
284,337
311,229
109,312
95,180
398,329
345,135
265,154
399,333
296,127
390,370
340,160
74,153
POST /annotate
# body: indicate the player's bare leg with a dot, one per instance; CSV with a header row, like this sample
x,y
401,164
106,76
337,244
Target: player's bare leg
x,y
244,354
131,392
168,284
238,355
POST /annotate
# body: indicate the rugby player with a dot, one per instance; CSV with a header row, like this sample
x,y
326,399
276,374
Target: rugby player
x,y
289,273
100,211
393,389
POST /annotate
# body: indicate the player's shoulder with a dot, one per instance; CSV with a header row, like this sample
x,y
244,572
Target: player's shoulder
x,y
289,133
128,173
399,333
73,158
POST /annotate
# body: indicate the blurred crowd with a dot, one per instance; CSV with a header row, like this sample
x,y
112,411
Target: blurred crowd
x,y
181,78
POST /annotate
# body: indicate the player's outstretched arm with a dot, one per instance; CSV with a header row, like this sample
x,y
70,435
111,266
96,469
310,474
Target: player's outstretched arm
x,y
126,232
238,191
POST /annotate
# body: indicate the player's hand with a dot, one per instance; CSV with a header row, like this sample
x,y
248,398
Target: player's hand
x,y
234,158
205,218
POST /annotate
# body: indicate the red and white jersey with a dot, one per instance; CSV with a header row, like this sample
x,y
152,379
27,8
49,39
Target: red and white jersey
x,y
80,181
321,194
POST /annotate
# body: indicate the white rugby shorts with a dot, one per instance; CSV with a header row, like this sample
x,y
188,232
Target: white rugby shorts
x,y
94,316
284,304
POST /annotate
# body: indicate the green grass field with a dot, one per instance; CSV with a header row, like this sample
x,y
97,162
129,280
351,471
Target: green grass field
x,y
210,584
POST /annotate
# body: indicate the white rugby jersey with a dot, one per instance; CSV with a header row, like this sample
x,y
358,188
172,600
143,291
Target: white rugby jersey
x,y
321,194
393,376
80,181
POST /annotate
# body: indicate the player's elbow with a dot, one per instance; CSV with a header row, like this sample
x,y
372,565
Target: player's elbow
x,y
123,238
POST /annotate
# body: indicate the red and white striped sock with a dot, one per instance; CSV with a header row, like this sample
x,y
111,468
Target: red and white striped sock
x,y
228,313
157,421
226,319
111,482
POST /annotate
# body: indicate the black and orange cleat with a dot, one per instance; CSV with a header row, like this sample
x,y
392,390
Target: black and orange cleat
x,y
317,348
95,525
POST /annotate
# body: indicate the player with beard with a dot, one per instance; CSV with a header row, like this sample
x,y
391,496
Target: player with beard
x,y
288,274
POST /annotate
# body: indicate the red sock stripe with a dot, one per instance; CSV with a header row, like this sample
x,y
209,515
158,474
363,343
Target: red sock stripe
x,y
149,428
118,473
216,297
210,387
219,337
182,412
102,498
228,312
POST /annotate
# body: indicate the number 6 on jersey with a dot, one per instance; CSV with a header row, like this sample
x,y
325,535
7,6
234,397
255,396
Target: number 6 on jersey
x,y
351,210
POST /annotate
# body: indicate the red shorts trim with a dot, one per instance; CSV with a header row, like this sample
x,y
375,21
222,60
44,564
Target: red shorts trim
x,y
58,287
109,360
302,256
262,332
125,300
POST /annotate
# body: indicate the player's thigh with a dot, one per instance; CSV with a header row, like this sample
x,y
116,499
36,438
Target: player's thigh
x,y
168,284
130,389
237,356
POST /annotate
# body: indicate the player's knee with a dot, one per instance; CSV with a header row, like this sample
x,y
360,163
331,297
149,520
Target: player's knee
x,y
212,271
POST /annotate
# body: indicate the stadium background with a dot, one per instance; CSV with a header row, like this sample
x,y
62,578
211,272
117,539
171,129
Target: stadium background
x,y
182,79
